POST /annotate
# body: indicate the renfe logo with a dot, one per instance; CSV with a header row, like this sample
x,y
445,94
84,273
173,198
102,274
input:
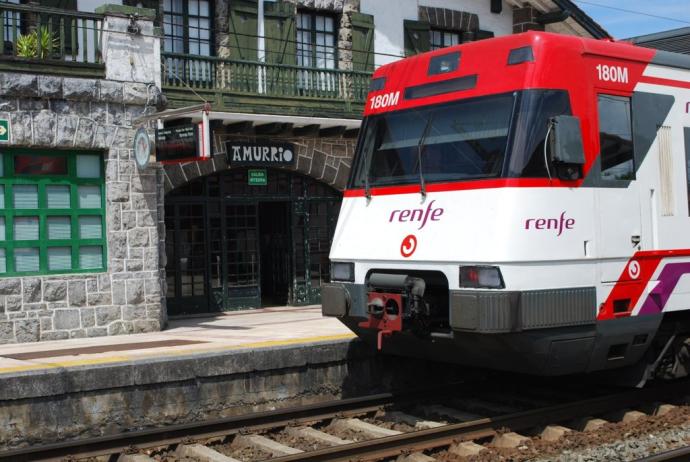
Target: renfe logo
x,y
422,215
389,99
557,224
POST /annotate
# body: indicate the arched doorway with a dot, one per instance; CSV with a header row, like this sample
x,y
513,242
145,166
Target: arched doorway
x,y
232,245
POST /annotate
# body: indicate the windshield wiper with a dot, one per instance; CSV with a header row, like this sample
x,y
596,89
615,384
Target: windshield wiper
x,y
420,151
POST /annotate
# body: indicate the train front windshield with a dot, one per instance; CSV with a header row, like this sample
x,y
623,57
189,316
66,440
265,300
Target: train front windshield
x,y
486,137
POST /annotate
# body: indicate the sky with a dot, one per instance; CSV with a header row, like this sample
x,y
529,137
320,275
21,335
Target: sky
x,y
643,16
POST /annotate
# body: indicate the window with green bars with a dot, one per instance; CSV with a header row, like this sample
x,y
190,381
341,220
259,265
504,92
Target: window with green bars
x,y
52,212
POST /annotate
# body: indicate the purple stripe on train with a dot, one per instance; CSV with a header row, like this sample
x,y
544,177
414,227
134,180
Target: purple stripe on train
x,y
668,280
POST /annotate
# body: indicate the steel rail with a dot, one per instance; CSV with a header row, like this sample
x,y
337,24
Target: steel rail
x,y
415,441
679,454
154,437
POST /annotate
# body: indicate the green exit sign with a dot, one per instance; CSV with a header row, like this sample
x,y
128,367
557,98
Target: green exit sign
x,y
4,130
258,177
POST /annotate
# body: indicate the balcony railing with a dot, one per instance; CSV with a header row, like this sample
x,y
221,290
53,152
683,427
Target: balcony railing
x,y
65,41
203,73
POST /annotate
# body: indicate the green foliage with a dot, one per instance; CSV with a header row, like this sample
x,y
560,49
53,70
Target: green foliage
x,y
28,44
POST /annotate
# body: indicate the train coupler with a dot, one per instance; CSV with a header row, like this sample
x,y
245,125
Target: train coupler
x,y
385,315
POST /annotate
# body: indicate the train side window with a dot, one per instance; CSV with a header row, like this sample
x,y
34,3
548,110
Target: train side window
x,y
615,138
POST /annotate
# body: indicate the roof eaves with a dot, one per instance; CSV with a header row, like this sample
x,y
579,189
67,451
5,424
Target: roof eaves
x,y
582,18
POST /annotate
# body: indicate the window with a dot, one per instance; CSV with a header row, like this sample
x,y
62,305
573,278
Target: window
x,y
315,41
51,212
615,138
187,26
443,38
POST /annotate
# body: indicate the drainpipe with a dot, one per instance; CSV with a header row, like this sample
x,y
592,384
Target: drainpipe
x,y
261,46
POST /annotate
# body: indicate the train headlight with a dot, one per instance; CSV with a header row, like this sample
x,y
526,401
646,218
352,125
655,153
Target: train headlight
x,y
342,271
481,277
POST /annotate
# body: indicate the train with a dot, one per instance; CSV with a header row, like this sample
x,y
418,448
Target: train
x,y
521,203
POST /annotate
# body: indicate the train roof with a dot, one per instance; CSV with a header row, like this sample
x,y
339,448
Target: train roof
x,y
513,62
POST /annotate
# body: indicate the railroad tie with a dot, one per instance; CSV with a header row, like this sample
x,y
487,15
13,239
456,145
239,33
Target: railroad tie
x,y
509,440
317,436
466,449
202,453
414,421
455,414
415,457
134,458
554,432
265,444
357,425
625,416
588,424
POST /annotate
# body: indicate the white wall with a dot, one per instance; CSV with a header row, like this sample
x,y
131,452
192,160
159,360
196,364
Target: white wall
x,y
389,17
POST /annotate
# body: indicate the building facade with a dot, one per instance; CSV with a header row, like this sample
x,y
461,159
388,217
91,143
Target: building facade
x,y
91,244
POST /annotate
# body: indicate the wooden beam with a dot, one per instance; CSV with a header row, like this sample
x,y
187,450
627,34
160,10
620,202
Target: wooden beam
x,y
332,132
307,130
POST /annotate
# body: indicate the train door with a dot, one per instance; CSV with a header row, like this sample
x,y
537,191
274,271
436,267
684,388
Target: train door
x,y
617,198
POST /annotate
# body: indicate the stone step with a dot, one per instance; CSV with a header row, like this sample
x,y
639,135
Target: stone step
x,y
262,443
414,421
202,453
370,430
466,449
317,436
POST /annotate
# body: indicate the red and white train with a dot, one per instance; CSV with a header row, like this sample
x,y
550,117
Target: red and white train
x,y
521,203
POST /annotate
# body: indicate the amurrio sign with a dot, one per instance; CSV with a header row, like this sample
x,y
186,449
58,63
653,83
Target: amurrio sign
x,y
264,154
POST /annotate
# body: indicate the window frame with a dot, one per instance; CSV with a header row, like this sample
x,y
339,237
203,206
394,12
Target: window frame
x,y
8,242
312,36
443,32
168,28
616,96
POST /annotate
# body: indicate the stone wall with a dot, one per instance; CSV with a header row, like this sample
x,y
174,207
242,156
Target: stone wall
x,y
89,114
325,159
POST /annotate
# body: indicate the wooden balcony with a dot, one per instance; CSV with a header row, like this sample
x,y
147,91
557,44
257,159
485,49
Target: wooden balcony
x,y
53,41
247,86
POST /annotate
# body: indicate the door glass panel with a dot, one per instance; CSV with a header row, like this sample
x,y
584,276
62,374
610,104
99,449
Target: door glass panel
x,y
90,257
26,260
26,228
89,197
59,228
57,197
88,166
90,227
59,258
25,196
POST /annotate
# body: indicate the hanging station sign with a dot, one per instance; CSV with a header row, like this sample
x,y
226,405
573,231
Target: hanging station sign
x,y
261,154
183,143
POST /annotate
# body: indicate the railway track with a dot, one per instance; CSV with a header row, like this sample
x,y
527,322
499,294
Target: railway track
x,y
416,427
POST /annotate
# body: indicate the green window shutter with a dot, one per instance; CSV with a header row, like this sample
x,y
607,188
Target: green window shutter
x,y
281,33
417,37
243,30
363,42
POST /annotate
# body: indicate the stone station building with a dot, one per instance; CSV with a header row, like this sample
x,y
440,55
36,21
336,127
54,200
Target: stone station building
x,y
92,245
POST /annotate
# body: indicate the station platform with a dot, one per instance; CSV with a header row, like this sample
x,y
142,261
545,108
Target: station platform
x,y
217,333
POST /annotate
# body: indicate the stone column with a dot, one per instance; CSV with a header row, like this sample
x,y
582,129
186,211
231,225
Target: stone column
x,y
525,19
130,56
